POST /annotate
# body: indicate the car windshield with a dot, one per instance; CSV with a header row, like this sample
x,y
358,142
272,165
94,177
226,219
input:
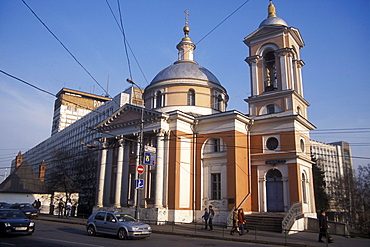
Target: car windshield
x,y
11,214
125,218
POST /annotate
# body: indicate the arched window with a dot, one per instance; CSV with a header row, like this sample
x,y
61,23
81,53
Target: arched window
x,y
270,71
304,193
214,145
191,97
218,103
159,99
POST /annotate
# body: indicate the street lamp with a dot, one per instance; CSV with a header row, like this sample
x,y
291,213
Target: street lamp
x,y
137,175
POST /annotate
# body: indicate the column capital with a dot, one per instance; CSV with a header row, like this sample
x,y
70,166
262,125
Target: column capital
x,y
103,143
252,59
299,63
161,132
284,52
121,140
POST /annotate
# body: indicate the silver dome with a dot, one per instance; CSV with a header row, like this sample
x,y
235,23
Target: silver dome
x,y
273,21
185,70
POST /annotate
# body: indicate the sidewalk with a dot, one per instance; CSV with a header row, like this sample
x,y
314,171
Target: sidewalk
x,y
194,230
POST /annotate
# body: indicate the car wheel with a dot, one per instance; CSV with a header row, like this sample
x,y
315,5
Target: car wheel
x,y
91,231
122,234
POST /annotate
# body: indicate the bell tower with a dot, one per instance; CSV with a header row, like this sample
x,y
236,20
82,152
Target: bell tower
x,y
280,151
275,67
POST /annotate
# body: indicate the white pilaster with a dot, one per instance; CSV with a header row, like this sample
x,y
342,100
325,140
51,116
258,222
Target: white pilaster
x,y
159,171
286,194
283,71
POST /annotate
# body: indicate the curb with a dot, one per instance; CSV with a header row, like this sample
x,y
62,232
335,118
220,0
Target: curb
x,y
67,221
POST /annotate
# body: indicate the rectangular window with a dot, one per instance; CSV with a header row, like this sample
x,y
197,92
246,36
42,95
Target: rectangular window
x,y
216,186
270,109
216,145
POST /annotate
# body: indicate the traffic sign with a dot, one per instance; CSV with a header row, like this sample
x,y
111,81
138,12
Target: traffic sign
x,y
149,158
140,169
139,183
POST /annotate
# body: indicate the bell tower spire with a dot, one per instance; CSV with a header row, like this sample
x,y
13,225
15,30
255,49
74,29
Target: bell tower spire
x,y
186,47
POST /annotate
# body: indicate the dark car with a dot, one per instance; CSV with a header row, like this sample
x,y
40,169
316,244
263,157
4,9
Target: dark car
x,y
14,221
27,209
120,224
4,205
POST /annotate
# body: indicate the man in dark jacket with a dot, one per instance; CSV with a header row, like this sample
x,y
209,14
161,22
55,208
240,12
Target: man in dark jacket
x,y
323,224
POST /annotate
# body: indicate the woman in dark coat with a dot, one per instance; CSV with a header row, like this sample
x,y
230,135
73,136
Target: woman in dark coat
x,y
235,223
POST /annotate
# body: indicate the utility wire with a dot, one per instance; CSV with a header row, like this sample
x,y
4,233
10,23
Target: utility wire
x,y
124,38
70,53
126,42
29,84
222,22
42,90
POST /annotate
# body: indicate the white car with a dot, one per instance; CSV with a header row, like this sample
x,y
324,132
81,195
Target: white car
x,y
122,225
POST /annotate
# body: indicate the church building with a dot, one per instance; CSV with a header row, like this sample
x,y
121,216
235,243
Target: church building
x,y
184,151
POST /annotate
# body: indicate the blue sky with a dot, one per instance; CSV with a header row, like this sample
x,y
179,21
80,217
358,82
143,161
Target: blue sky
x,y
336,34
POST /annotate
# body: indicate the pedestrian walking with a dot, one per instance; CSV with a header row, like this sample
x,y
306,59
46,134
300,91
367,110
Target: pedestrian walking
x,y
73,211
205,217
68,207
211,216
323,224
235,227
241,221
60,208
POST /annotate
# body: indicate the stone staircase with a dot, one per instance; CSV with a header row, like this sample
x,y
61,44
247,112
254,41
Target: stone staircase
x,y
271,222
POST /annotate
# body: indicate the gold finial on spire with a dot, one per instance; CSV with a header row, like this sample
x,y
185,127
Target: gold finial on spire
x,y
271,10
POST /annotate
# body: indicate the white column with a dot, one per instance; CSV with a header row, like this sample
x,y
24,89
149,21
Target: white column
x,y
252,61
121,143
125,174
103,164
159,171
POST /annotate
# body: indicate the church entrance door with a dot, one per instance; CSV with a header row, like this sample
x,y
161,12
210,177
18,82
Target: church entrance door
x,y
274,191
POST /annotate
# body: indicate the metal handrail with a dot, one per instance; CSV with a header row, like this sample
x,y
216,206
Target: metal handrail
x,y
294,211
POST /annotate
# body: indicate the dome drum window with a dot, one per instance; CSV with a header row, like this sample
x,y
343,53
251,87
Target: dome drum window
x,y
191,97
159,99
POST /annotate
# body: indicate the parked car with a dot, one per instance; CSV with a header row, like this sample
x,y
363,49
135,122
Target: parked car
x,y
14,221
4,205
122,225
27,209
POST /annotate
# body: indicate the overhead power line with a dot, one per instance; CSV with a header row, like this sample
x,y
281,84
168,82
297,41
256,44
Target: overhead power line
x,y
121,28
44,91
222,22
70,53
